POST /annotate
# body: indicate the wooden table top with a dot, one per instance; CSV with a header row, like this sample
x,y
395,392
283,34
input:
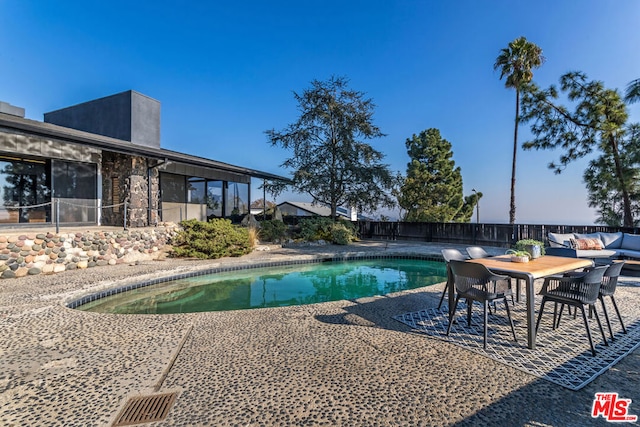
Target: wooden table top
x,y
540,267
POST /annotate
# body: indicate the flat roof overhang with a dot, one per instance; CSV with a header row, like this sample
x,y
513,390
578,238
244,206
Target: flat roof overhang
x,y
48,130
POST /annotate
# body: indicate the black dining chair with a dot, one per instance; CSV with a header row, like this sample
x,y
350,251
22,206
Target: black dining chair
x,y
475,282
607,289
448,255
476,252
575,291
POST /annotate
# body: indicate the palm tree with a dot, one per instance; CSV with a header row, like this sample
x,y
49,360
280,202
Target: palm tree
x,y
633,92
516,62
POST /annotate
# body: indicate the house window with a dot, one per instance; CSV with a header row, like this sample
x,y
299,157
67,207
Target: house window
x,y
25,190
73,180
214,199
196,193
237,205
173,196
196,198
75,185
187,197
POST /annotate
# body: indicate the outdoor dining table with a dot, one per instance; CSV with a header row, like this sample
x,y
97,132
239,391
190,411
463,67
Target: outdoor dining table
x,y
528,271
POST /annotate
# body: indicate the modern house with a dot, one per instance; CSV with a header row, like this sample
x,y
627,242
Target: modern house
x,y
85,162
302,209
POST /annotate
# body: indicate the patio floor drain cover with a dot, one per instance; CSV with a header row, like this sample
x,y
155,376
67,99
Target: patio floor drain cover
x,y
145,409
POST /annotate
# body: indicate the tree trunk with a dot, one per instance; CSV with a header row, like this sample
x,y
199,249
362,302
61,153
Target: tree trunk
x,y
334,211
512,209
626,200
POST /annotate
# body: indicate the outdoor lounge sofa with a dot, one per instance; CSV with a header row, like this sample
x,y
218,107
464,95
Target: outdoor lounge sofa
x,y
595,245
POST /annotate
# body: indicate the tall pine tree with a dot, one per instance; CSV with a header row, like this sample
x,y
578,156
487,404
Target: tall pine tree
x,y
604,187
432,189
598,122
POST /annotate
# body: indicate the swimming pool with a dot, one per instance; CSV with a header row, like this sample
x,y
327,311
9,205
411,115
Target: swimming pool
x,y
270,286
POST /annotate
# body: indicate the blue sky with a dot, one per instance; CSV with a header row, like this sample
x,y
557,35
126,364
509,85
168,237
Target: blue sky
x,y
225,72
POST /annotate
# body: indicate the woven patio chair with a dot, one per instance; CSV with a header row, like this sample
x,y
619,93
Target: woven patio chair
x,y
574,291
476,283
448,255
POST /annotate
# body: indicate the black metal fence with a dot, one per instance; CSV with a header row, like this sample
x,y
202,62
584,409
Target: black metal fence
x,y
498,235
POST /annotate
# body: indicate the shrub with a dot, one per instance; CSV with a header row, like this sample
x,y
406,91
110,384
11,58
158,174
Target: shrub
x,y
341,235
315,228
322,228
213,239
272,230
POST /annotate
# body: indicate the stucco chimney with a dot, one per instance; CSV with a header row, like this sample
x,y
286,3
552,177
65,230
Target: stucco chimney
x,y
129,116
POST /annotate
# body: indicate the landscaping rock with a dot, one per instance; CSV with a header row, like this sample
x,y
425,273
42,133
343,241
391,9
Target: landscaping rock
x,y
47,253
8,274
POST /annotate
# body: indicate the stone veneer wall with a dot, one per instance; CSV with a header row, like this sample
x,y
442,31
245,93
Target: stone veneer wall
x,y
48,253
132,175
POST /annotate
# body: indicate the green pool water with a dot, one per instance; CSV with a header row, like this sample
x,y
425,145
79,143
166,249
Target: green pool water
x,y
275,287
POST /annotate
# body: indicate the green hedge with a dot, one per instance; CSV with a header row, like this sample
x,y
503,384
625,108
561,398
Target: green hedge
x,y
272,230
322,228
216,238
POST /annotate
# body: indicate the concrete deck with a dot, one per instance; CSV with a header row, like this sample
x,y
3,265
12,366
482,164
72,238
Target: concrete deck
x,y
343,363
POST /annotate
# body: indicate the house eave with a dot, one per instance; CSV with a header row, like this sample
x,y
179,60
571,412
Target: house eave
x,y
48,130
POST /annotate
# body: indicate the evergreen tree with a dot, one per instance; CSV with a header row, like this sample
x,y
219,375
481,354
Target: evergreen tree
x,y
605,194
598,122
432,189
632,93
330,160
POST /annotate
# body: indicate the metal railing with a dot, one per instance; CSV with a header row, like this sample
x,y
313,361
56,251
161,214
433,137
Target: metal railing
x,y
53,212
34,214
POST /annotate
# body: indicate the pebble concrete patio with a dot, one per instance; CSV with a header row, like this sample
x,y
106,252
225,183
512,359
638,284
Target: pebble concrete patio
x,y
343,363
